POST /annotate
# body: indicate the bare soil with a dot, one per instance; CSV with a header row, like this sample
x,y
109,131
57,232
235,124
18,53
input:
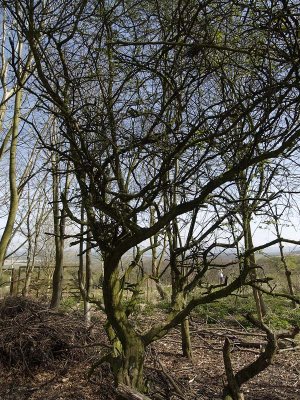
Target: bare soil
x,y
46,373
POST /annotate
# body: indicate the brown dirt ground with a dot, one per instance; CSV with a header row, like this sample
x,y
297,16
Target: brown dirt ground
x,y
202,379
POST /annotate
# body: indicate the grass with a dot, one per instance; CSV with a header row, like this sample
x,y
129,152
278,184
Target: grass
x,y
280,314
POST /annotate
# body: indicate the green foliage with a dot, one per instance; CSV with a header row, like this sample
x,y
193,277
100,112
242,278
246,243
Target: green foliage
x,y
164,305
293,263
227,309
280,314
70,303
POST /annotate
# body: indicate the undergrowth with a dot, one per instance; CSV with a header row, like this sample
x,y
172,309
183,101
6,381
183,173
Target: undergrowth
x,y
280,313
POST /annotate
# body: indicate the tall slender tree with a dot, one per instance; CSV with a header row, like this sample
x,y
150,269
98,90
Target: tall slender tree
x,y
15,69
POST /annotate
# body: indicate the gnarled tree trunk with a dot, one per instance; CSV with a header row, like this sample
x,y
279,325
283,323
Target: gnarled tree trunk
x,y
127,358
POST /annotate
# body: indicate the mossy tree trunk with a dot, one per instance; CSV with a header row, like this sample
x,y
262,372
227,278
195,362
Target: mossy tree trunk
x,y
179,282
186,343
179,300
127,359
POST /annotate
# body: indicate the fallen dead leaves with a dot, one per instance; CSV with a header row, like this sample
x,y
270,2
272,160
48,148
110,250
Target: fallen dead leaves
x,y
49,372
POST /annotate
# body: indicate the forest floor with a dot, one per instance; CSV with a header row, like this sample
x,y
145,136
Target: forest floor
x,y
55,363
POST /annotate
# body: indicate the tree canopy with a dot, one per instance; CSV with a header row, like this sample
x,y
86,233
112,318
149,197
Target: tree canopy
x,y
160,107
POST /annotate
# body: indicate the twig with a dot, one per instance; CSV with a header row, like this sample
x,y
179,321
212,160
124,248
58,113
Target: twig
x,y
289,349
233,331
34,389
283,295
90,345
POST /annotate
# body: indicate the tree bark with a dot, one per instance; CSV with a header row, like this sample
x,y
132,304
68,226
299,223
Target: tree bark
x,y
14,282
155,259
235,381
258,298
287,272
14,196
59,218
186,339
88,277
128,348
57,279
84,279
232,390
30,261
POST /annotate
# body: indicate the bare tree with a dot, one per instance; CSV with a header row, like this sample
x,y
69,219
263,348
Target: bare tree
x,y
16,62
59,223
113,74
84,271
37,215
276,217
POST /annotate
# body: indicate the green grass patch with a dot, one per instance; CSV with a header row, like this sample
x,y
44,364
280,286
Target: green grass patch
x,y
280,314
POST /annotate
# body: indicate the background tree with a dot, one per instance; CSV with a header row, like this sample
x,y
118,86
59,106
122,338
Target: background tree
x,y
59,188
16,62
84,271
276,217
37,215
